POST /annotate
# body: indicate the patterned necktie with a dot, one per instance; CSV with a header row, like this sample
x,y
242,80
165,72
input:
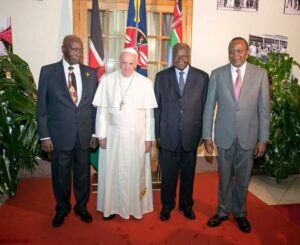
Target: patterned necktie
x,y
72,85
238,85
181,82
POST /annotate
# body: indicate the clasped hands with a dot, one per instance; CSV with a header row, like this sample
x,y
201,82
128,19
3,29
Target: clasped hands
x,y
103,143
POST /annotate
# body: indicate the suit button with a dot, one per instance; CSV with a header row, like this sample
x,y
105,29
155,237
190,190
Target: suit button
x,y
237,109
181,111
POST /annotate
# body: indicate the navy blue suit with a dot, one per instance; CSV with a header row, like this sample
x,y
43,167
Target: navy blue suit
x,y
70,129
178,127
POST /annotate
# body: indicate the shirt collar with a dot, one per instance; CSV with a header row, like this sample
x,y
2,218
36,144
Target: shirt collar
x,y
66,65
242,68
185,70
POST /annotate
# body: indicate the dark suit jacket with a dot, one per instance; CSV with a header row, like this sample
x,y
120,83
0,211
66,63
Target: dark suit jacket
x,y
57,116
179,117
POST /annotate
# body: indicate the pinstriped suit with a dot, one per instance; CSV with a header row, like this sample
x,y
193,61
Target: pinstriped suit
x,y
178,127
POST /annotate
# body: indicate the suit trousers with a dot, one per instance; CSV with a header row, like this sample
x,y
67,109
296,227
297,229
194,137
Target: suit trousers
x,y
172,164
235,167
63,162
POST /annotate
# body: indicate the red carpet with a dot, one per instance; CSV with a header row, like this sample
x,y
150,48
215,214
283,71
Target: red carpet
x,y
291,211
27,218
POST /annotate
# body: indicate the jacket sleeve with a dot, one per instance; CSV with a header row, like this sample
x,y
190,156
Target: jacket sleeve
x,y
41,106
157,111
264,110
209,107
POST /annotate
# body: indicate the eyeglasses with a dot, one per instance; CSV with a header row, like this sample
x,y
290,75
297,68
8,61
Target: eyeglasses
x,y
181,57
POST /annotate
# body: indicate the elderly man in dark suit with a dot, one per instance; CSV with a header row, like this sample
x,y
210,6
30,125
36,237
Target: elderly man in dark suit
x,y
241,91
180,92
66,119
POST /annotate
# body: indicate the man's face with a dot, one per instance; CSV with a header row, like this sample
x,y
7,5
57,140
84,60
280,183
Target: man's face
x,y
181,58
72,50
128,63
238,53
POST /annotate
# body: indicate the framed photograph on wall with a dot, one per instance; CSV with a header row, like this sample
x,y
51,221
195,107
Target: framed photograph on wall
x,y
238,5
292,6
261,45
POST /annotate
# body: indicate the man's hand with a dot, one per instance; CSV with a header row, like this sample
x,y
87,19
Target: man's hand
x,y
47,145
148,145
94,143
158,144
260,149
209,145
102,143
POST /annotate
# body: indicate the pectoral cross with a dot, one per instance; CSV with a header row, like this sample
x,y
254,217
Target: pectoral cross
x,y
121,104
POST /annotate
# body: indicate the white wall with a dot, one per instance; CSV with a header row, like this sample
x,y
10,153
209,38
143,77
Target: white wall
x,y
38,27
213,29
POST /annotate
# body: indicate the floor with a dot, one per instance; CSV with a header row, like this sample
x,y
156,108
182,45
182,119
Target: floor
x,y
263,187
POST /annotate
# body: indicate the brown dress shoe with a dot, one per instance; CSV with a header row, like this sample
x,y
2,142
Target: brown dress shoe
x,y
216,220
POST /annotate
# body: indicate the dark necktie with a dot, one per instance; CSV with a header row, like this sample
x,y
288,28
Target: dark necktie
x,y
238,85
72,84
181,82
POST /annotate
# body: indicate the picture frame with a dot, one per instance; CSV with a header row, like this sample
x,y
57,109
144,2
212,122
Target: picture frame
x,y
238,5
292,7
261,45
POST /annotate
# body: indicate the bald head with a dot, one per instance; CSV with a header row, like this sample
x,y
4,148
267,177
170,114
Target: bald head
x,y
181,55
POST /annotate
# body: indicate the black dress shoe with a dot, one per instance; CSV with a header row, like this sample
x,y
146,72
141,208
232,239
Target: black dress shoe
x,y
85,216
58,220
216,220
243,224
189,213
165,214
110,217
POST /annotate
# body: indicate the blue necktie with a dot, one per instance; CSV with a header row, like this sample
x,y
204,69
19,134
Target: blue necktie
x,y
181,82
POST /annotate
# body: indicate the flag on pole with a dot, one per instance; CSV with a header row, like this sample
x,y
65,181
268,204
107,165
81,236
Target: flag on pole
x,y
176,29
136,33
96,53
96,57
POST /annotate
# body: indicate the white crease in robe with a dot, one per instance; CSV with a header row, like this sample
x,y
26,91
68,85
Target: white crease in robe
x,y
124,168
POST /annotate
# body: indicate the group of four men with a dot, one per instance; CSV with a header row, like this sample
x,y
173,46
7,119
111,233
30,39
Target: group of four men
x,y
124,112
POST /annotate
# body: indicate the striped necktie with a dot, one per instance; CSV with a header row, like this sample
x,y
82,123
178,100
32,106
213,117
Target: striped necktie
x,y
181,82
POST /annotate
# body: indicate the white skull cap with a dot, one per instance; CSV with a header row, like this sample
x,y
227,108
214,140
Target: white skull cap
x,y
129,50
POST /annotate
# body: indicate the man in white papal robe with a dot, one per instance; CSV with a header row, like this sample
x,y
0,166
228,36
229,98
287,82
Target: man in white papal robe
x,y
125,128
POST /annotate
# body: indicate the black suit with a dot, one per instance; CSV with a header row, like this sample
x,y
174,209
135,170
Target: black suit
x,y
178,123
70,129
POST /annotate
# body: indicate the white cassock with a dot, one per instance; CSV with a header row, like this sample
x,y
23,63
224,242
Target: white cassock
x,y
124,171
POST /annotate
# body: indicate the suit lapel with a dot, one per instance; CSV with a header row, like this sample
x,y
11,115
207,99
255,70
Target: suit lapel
x,y
84,83
189,80
246,80
173,80
228,80
61,78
